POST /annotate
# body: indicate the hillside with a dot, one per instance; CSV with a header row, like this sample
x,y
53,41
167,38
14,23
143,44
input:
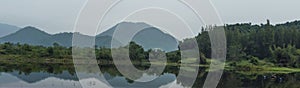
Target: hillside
x,y
6,29
149,37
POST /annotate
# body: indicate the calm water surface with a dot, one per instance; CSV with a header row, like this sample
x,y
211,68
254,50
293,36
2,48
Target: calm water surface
x,y
67,79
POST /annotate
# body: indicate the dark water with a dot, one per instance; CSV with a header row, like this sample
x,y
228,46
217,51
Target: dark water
x,y
67,79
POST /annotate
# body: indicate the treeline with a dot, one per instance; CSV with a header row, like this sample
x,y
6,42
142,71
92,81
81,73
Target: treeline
x,y
277,44
29,51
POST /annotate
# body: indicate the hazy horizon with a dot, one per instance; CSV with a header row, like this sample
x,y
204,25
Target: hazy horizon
x,y
56,16
147,23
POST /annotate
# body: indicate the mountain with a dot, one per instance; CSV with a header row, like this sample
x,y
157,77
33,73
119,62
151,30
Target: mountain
x,y
154,38
28,35
125,25
105,41
148,36
6,29
33,36
64,39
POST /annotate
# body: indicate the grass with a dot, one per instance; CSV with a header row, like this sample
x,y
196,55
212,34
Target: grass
x,y
240,66
282,69
17,59
260,67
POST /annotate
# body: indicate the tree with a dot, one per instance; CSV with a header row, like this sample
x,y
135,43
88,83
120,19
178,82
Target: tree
x,y
136,52
285,56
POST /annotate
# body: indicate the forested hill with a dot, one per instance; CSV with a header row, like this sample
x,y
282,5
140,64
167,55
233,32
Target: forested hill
x,y
279,43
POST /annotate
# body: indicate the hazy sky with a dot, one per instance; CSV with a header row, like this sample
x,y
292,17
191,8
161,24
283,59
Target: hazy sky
x,y
54,16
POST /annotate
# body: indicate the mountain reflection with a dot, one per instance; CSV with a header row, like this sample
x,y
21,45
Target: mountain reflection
x,y
63,76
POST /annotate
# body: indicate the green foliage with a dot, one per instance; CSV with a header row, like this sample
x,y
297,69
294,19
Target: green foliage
x,y
136,52
285,56
103,53
174,56
35,51
246,40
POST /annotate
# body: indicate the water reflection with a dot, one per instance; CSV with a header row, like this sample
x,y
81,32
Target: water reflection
x,y
65,78
260,80
37,80
156,83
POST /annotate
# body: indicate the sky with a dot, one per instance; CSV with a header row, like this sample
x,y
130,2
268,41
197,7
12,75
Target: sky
x,y
55,16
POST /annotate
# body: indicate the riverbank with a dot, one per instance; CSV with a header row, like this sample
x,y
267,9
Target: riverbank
x,y
240,66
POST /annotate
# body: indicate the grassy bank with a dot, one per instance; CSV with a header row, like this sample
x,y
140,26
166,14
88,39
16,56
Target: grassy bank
x,y
240,66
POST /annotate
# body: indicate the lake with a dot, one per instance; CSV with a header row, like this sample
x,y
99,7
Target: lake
x,y
66,78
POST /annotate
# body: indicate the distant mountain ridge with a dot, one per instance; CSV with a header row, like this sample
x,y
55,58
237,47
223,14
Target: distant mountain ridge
x,y
6,29
155,39
126,25
149,37
34,36
28,35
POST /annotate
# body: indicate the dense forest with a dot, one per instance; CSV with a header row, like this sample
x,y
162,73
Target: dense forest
x,y
278,44
247,44
264,44
259,45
